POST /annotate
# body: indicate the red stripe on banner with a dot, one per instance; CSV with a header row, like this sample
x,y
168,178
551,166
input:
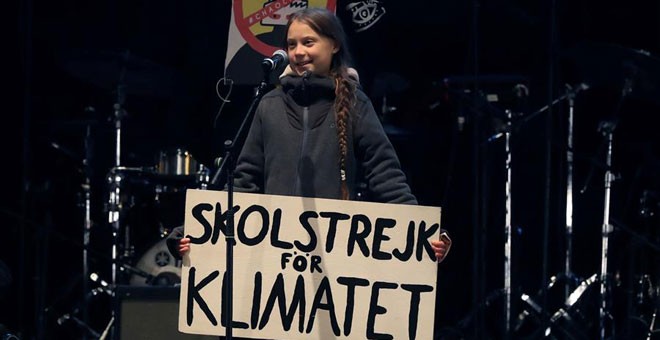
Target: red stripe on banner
x,y
244,23
265,12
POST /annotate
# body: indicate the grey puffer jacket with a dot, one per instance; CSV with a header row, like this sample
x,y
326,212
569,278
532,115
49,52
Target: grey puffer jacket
x,y
292,147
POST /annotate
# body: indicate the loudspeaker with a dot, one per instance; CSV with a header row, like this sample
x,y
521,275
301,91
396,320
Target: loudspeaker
x,y
150,312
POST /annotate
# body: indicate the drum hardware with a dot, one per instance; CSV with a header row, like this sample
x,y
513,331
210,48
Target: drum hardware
x,y
606,128
123,73
176,162
652,300
533,315
77,313
633,74
652,329
119,114
567,278
80,323
88,221
644,290
571,320
147,206
203,176
649,203
162,268
506,130
126,74
629,65
118,204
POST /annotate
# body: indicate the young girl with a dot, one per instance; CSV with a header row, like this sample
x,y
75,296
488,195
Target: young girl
x,y
317,134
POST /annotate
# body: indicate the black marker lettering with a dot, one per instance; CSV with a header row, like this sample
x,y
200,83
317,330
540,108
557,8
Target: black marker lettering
x,y
332,228
379,237
359,236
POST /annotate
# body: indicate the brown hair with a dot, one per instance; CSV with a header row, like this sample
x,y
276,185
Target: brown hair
x,y
328,25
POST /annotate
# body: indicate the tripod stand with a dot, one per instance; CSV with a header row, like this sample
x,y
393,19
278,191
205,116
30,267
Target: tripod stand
x,y
538,310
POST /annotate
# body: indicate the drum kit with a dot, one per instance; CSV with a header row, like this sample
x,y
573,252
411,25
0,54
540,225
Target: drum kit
x,y
142,204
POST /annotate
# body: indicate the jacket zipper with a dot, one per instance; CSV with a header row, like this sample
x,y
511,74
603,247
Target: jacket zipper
x,y
303,145
305,88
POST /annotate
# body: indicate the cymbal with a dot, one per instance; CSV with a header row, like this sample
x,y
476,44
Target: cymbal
x,y
610,65
120,69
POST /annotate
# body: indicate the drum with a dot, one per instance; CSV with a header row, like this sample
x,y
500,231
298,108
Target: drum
x,y
578,319
158,267
176,162
143,208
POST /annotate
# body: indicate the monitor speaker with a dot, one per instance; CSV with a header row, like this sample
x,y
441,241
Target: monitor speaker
x,y
150,312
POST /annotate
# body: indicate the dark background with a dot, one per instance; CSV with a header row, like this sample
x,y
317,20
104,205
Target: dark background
x,y
422,56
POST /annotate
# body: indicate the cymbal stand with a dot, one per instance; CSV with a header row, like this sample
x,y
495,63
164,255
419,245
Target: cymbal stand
x,y
571,93
87,227
506,132
569,192
119,114
83,321
607,128
115,192
507,228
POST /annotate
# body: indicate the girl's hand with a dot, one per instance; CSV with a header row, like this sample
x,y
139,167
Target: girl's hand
x,y
441,247
184,246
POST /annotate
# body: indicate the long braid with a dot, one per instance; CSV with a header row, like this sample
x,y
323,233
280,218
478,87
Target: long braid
x,y
344,101
327,24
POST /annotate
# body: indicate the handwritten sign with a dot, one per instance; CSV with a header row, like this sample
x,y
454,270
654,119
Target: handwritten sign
x,y
307,268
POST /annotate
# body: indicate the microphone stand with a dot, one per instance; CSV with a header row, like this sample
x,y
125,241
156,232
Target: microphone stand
x,y
228,166
606,128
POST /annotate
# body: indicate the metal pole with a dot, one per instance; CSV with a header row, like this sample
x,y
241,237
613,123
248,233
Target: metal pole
x,y
569,195
86,229
507,229
606,230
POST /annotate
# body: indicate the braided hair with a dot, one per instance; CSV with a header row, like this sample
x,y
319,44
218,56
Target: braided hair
x,y
328,25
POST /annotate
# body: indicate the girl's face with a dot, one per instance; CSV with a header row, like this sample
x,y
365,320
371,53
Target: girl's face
x,y
308,51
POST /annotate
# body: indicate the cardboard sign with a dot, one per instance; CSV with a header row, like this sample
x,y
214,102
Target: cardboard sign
x,y
306,268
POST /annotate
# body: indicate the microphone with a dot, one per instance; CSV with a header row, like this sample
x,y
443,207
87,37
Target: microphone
x,y
278,58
